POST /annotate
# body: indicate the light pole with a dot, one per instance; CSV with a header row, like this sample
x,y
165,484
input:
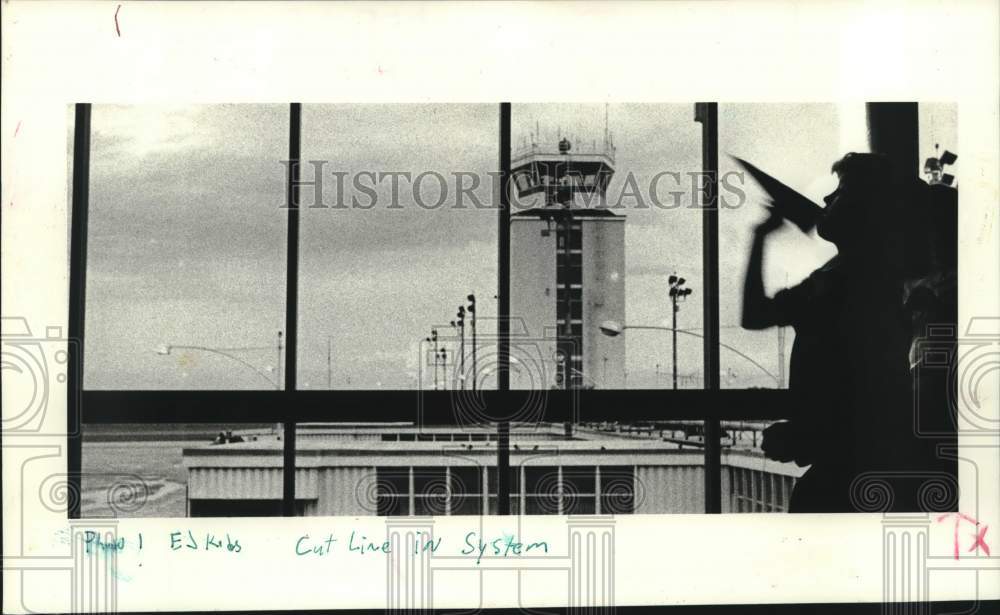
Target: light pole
x,y
433,339
472,311
614,329
167,349
677,294
280,350
443,355
459,323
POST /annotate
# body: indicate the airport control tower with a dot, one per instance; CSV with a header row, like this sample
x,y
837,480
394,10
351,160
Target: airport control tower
x,y
568,260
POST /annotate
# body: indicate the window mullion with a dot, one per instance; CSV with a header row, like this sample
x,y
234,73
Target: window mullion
x,y
708,115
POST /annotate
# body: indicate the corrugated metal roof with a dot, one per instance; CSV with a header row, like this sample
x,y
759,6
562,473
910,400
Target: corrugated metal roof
x,y
249,483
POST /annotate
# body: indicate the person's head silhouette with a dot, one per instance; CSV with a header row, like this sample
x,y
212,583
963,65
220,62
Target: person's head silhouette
x,y
861,210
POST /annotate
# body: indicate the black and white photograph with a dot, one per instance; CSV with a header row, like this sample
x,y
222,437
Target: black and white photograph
x,y
834,266
523,306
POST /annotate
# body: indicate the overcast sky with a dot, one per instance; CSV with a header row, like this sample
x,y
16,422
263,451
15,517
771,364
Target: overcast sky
x,y
187,238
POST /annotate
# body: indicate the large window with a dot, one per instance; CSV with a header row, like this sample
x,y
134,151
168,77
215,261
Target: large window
x,y
384,331
404,229
548,490
186,247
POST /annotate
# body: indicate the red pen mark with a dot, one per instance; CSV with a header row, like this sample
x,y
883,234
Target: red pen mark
x,y
117,29
17,128
981,541
979,537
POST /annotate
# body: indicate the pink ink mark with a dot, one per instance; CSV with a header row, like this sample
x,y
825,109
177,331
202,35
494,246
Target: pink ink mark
x,y
17,128
981,541
979,537
117,29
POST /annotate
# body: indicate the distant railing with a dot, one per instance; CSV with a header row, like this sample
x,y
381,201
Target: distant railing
x,y
588,149
690,431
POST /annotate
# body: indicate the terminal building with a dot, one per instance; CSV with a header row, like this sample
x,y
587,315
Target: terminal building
x,y
568,277
401,469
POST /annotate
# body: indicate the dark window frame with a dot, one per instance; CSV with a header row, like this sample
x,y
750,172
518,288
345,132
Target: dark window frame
x,y
291,406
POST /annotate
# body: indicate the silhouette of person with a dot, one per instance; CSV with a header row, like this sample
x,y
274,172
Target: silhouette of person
x,y
848,371
930,297
930,291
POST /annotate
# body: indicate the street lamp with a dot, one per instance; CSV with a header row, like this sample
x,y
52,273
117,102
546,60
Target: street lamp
x,y
280,351
443,355
677,294
167,349
459,323
612,328
472,311
433,339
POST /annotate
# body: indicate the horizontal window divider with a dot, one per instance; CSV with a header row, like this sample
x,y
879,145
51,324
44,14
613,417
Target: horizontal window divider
x,y
433,407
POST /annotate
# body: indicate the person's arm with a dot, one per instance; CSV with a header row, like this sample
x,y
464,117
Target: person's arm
x,y
759,311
